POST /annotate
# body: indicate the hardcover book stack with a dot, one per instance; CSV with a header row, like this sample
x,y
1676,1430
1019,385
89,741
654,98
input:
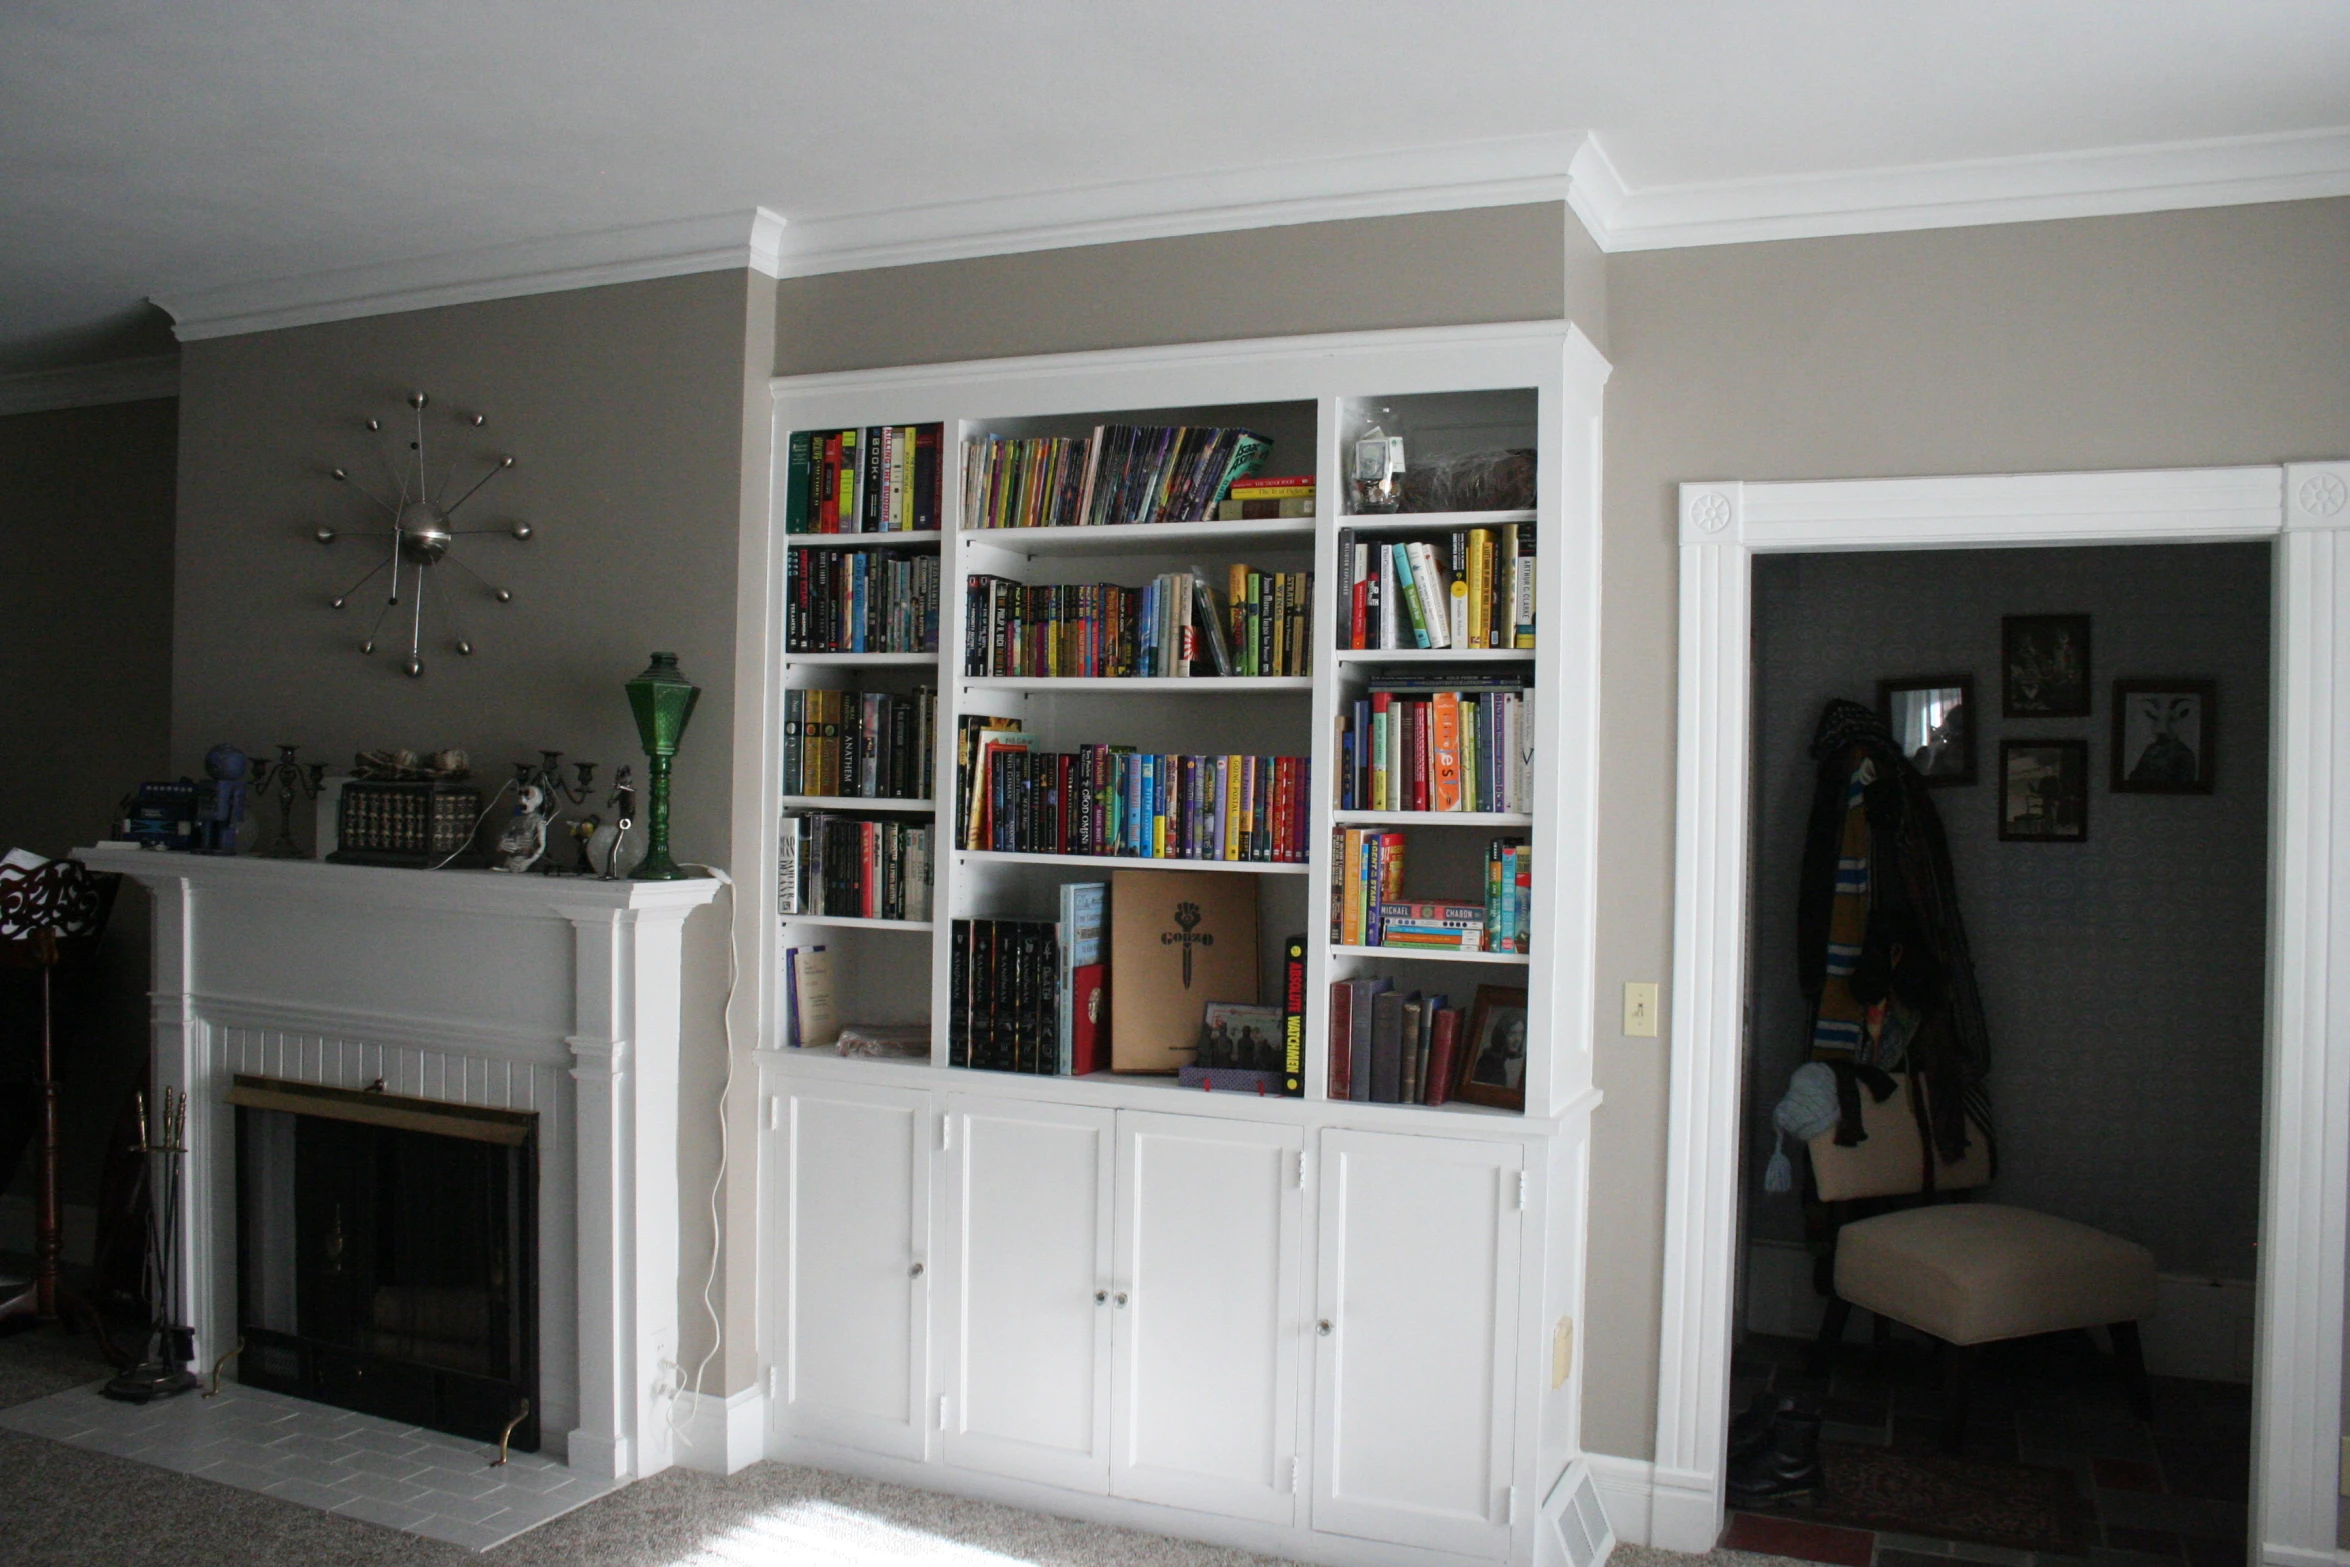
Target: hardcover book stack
x,y
1260,497
1114,800
880,479
1471,588
1124,473
866,744
862,601
1447,743
855,867
1389,1046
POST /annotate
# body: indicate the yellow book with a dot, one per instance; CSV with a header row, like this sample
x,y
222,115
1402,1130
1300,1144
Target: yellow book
x,y
1444,741
1236,609
1350,868
1480,587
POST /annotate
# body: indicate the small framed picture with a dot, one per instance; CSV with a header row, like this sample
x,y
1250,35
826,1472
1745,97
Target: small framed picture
x,y
2043,791
1492,1071
2045,661
2162,736
1933,721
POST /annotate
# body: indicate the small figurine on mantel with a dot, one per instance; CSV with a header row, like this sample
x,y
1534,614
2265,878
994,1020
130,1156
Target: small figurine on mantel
x,y
525,837
604,848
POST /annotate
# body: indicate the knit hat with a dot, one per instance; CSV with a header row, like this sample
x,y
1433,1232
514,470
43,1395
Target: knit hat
x,y
1807,1110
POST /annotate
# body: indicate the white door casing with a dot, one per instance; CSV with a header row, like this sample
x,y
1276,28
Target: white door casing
x,y
1412,1426
1210,1233
2306,1135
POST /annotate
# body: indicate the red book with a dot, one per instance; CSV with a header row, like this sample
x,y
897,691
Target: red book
x,y
1444,1041
868,872
1359,614
828,502
1418,745
1342,1040
1089,988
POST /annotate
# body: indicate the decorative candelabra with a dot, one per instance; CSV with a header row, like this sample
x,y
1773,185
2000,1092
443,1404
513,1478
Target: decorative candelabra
x,y
291,780
547,774
662,700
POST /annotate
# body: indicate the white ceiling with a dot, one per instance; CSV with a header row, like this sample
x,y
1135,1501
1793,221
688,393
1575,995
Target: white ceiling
x,y
163,150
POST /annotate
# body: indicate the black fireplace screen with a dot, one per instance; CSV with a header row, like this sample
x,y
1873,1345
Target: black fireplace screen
x,y
387,1256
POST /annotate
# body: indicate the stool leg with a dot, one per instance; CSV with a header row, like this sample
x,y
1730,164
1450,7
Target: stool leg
x,y
1823,1349
1958,1385
2132,1354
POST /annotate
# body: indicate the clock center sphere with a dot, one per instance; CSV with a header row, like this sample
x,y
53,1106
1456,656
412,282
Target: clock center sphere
x,y
424,532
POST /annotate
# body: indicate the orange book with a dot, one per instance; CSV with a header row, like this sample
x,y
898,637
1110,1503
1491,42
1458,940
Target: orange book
x,y
1445,744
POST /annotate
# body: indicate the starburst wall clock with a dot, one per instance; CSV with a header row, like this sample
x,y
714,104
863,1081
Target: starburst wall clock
x,y
420,541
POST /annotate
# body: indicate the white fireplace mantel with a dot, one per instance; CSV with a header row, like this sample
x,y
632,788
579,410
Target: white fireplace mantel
x,y
556,995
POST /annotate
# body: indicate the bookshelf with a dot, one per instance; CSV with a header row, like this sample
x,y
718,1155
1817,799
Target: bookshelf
x,y
862,1158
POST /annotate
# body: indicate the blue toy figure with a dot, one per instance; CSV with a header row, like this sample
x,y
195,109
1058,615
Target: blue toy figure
x,y
220,804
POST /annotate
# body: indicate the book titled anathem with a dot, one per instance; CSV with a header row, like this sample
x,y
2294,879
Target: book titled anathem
x,y
1178,940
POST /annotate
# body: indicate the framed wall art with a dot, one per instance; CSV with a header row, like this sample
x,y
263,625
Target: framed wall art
x,y
2162,736
2043,791
1933,721
2044,663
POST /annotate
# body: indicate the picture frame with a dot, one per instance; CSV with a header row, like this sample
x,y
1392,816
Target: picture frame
x,y
2043,791
2044,666
1492,1066
1933,722
2164,735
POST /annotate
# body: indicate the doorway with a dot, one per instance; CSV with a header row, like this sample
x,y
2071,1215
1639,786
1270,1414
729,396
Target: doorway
x,y
2306,1140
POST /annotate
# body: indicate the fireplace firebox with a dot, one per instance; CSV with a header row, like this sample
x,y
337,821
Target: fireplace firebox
x,y
387,1256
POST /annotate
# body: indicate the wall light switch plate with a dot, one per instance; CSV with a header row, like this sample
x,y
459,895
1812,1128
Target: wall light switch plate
x,y
1640,1004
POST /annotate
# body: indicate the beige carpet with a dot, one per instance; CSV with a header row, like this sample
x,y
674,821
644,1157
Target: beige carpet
x,y
62,1505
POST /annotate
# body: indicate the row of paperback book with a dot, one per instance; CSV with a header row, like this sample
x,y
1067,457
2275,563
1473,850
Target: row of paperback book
x,y
862,601
865,744
1029,995
1086,630
1368,907
1472,588
855,867
1442,744
1114,800
1124,473
1390,1047
879,479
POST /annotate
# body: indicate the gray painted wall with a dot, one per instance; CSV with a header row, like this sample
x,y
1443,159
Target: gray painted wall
x,y
2122,977
625,407
2168,340
86,519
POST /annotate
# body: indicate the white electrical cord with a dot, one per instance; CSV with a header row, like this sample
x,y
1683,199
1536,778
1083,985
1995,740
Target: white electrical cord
x,y
718,1182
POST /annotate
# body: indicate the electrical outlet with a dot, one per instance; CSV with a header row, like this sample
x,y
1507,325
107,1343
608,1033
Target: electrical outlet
x,y
1640,1004
1562,1350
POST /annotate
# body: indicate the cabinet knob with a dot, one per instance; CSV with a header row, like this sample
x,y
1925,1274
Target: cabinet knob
x,y
1100,1296
1323,1327
1121,1299
915,1271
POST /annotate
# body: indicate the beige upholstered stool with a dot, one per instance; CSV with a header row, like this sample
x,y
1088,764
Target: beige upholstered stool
x,y
1971,1273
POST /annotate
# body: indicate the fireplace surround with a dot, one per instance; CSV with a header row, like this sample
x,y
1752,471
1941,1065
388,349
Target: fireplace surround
x,y
554,999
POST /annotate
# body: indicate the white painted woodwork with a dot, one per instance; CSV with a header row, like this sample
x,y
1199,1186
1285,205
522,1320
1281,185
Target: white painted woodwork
x,y
2305,508
1030,1284
1205,1355
856,1199
556,996
1414,1381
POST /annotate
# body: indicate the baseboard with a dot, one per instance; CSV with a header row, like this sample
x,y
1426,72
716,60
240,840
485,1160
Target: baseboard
x,y
720,1435
1627,1487
81,1228
2273,1555
1684,1511
2201,1328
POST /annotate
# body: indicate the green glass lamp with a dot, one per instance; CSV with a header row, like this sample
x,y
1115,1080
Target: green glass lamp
x,y
662,700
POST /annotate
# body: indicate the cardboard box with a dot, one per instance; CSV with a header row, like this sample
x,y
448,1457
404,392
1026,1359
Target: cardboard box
x,y
1178,940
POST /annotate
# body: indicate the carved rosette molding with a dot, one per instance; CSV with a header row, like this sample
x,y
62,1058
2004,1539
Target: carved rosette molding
x,y
1711,513
2317,495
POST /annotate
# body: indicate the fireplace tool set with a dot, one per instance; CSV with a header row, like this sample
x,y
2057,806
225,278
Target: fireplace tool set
x,y
171,1344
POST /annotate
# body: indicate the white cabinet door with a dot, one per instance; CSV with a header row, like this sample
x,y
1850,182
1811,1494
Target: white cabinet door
x,y
856,1226
1207,1312
1028,1322
1416,1322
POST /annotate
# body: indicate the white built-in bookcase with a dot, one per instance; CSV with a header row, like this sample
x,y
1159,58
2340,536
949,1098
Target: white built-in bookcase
x,y
1451,389
1326,1330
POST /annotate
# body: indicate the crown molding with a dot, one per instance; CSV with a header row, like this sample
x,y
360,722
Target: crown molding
x,y
91,386
718,243
1511,171
2230,171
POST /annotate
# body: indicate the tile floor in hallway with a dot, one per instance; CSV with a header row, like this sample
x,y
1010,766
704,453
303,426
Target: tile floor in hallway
x,y
2170,1493
381,1471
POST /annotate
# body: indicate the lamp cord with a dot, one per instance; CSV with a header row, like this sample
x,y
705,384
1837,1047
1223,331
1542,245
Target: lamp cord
x,y
718,1181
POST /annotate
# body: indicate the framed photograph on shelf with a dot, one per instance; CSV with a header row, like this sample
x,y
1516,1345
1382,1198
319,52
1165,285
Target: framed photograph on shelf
x,y
2162,736
1933,721
2044,666
2043,791
1492,1070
